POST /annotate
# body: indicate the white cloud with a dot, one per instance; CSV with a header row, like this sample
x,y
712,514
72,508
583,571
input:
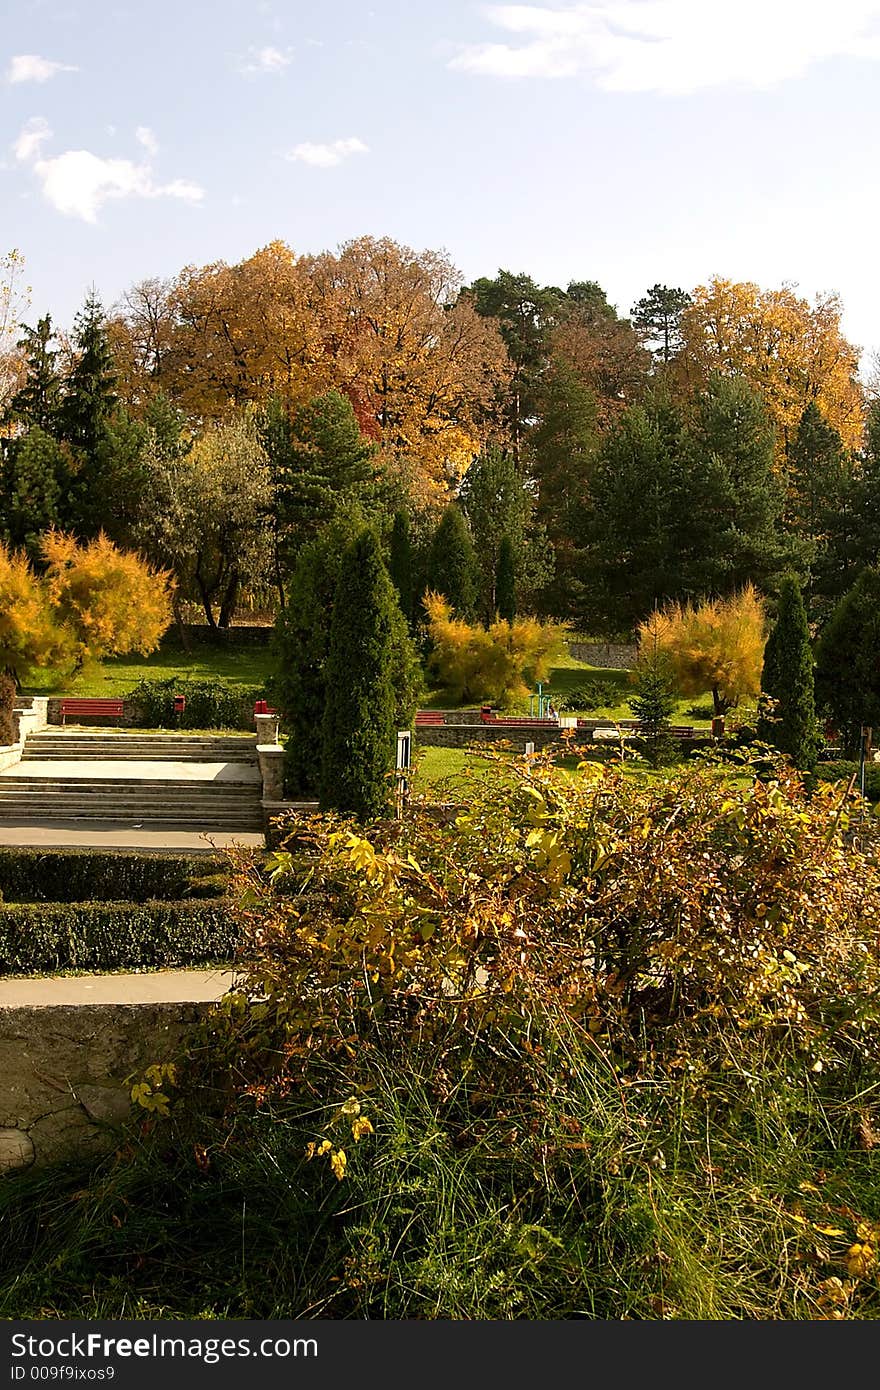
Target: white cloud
x,y
30,67
267,60
145,136
675,46
31,137
79,183
326,156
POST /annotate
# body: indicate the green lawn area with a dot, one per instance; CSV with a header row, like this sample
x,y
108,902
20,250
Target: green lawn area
x,y
245,665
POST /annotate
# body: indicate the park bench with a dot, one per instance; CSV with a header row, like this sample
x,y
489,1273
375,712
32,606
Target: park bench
x,y
429,716
103,706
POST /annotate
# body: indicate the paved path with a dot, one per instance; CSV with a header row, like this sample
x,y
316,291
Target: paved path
x,y
94,834
129,770
160,987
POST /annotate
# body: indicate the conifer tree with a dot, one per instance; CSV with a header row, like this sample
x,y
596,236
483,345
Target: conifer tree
x,y
90,394
38,400
505,581
847,669
358,743
400,562
655,697
787,678
453,570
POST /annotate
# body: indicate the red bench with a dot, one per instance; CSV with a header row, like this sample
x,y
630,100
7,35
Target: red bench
x,y
519,723
111,708
429,716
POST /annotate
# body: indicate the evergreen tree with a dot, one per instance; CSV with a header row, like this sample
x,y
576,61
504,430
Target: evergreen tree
x,y
90,393
847,669
787,678
496,502
112,483
654,701
851,521
657,319
816,468
505,581
300,648
38,401
319,461
453,569
400,561
35,488
358,728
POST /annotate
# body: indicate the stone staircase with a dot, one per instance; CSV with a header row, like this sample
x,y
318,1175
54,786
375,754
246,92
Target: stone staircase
x,y
199,781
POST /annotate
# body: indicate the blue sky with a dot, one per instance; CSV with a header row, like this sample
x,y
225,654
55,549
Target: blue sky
x,y
626,141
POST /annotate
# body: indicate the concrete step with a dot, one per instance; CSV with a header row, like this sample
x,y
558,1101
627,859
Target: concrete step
x,y
202,821
131,786
145,752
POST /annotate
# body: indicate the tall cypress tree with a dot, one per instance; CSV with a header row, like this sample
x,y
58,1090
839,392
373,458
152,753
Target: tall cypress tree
x,y
453,569
400,562
787,678
505,581
358,748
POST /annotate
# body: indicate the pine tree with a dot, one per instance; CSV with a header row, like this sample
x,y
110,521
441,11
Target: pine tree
x,y
505,581
453,570
496,501
90,394
657,318
35,487
816,469
847,669
358,745
320,461
38,400
655,699
400,561
787,678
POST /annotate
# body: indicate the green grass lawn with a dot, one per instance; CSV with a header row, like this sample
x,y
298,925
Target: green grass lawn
x,y
245,665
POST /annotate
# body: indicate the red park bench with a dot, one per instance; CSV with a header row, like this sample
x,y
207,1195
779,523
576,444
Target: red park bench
x,y
105,706
429,716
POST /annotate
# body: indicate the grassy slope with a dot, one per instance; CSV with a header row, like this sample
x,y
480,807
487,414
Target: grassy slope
x,y
245,665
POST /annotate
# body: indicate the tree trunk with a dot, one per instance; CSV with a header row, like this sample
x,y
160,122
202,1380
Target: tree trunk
x,y
230,599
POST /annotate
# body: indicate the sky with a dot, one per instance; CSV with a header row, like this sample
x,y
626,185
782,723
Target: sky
x,y
631,142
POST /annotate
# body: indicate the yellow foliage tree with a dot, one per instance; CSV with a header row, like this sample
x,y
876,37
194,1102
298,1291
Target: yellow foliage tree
x,y
792,351
92,601
110,601
717,645
492,663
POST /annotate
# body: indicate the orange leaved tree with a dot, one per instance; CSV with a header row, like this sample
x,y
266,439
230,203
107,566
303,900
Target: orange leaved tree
x,y
717,645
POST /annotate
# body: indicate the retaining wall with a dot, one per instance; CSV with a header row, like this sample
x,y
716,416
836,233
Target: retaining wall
x,y
613,656
65,1074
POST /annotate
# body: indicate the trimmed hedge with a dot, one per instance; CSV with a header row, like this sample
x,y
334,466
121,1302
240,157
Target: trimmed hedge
x,y
210,704
84,875
47,937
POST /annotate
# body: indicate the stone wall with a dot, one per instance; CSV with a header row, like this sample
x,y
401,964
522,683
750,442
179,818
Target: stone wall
x,y
461,735
613,656
65,1074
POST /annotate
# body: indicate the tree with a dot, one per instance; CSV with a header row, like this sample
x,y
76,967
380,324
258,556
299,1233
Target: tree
x,y
492,663
655,697
358,744
602,350
319,461
35,489
852,519
717,645
847,670
505,581
787,679
496,501
453,568
14,299
37,402
657,320
89,602
787,349
90,397
300,647
400,562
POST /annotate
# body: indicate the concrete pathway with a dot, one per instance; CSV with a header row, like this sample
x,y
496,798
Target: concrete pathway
x,y
130,770
60,834
160,987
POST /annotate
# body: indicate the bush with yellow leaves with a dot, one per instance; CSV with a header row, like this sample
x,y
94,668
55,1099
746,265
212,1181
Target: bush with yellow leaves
x,y
717,645
494,663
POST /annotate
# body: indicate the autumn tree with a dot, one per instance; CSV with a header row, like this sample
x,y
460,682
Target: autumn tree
x,y
497,662
716,645
789,350
788,722
602,350
14,298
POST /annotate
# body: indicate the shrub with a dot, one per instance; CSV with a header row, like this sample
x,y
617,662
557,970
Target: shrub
x,y
593,694
210,704
842,771
476,663
83,875
7,704
717,645
36,937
